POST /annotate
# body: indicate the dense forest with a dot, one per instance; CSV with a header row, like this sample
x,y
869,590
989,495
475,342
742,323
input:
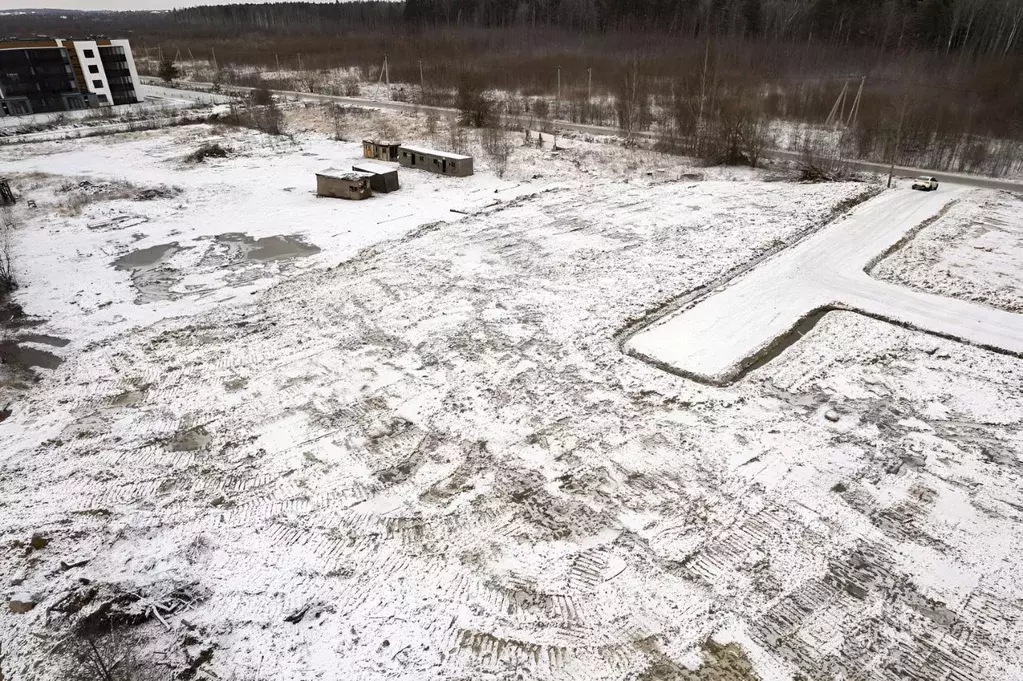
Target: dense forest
x,y
974,27
938,82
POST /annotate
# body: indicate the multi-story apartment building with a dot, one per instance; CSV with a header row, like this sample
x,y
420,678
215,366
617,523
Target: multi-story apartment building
x,y
49,74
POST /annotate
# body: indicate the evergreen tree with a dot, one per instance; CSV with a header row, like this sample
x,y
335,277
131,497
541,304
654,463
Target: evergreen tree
x,y
168,71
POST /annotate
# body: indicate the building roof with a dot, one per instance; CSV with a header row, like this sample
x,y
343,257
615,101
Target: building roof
x,y
374,168
382,143
338,174
434,152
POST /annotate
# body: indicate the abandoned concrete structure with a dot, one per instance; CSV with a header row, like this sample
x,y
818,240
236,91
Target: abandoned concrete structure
x,y
381,150
6,195
343,184
443,162
383,178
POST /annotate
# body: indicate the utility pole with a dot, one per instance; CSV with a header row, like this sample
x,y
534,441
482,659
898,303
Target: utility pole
x,y
839,107
703,94
300,67
277,59
589,85
855,110
422,80
557,104
214,51
898,136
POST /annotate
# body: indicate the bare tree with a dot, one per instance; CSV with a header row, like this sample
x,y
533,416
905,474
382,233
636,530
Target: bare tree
x,y
497,146
457,141
820,158
340,122
7,279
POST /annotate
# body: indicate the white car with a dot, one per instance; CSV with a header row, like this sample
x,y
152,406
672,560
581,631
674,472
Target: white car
x,y
927,184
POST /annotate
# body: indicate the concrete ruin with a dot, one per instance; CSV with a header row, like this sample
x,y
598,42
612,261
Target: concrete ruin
x,y
381,150
383,178
442,162
343,184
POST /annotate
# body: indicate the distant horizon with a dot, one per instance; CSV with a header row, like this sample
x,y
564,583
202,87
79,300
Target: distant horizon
x,y
127,5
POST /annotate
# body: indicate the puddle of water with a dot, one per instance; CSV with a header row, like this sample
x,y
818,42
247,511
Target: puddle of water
x,y
43,339
24,356
155,281
152,281
146,257
267,249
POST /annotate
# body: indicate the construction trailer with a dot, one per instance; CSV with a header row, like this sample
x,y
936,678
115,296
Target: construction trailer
x,y
383,178
381,150
343,184
442,162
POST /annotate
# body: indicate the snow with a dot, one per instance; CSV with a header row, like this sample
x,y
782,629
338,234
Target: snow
x,y
714,339
421,453
973,252
263,189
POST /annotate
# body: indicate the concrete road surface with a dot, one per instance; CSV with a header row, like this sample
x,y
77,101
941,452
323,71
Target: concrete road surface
x,y
717,338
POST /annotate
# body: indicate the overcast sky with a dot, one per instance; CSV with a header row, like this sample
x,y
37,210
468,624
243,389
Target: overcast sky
x,y
114,4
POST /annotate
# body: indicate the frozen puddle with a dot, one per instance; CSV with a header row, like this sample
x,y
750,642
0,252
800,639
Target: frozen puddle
x,y
146,257
159,274
761,312
270,248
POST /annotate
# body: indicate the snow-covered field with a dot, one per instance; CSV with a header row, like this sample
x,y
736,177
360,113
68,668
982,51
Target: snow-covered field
x,y
973,252
384,440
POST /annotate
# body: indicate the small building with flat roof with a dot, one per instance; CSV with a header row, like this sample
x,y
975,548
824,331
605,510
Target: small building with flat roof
x,y
443,162
383,178
343,184
381,150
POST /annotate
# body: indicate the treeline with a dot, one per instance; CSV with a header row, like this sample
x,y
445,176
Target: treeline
x,y
974,27
290,17
982,27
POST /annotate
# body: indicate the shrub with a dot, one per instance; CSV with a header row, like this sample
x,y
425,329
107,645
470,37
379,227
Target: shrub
x,y
261,95
208,151
475,107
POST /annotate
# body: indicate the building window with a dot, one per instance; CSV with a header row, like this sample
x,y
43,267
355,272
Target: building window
x,y
102,98
97,83
93,68
88,54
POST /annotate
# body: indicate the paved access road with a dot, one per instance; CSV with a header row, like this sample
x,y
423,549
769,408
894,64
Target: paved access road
x,y
864,166
715,339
